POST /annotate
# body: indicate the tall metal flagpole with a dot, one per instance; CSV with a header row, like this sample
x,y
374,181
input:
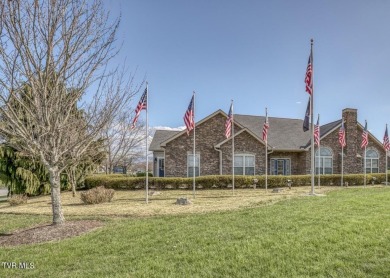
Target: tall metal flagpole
x,y
266,155
193,172
319,152
342,154
365,171
386,165
232,147
312,119
342,165
386,150
146,154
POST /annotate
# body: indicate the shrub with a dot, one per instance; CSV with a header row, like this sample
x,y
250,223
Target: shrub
x,y
17,199
225,181
97,195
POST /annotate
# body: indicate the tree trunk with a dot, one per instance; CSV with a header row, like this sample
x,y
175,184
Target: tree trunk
x,y
58,216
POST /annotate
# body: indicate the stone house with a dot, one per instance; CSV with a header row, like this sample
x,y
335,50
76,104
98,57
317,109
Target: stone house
x,y
289,150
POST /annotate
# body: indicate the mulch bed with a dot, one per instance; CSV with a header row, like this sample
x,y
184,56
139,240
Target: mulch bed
x,y
46,233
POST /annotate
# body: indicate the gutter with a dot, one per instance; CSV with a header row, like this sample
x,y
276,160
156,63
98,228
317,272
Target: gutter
x,y
220,159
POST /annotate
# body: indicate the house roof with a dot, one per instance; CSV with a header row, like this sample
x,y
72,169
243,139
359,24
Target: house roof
x,y
325,130
283,134
159,137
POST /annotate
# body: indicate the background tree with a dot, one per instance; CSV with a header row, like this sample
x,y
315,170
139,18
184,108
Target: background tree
x,y
123,145
53,45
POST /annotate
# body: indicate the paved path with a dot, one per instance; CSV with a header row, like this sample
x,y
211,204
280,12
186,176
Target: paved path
x,y
3,191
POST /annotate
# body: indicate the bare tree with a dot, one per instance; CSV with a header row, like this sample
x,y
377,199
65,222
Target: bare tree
x,y
57,49
122,143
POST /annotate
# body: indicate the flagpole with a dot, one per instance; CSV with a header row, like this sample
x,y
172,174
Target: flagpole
x,y
386,166
193,172
266,156
312,120
232,147
319,152
146,154
342,165
365,172
386,149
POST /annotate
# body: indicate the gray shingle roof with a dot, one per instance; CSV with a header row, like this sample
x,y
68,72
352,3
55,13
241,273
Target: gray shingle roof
x,y
159,137
283,134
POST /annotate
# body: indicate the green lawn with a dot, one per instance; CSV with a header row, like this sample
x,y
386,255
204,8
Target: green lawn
x,y
344,234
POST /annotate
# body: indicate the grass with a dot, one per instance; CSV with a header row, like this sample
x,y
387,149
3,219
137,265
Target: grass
x,y
344,234
132,203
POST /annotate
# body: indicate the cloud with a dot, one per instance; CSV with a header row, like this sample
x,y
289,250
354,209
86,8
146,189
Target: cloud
x,y
169,128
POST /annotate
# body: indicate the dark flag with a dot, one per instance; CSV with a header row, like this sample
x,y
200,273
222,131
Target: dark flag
x,y
189,116
317,132
364,137
386,143
142,104
306,124
229,122
342,135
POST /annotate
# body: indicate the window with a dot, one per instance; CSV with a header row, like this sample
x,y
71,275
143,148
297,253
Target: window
x,y
280,166
190,165
372,161
244,164
324,161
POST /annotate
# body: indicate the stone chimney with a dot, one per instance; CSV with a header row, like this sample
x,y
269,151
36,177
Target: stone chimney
x,y
351,160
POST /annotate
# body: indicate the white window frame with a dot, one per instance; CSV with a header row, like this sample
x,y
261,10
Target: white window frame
x,y
286,170
244,166
190,159
323,158
369,161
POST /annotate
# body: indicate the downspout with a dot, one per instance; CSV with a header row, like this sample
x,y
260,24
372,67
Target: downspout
x,y
220,159
272,150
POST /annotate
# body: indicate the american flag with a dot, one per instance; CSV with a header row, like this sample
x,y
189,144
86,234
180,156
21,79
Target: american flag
x,y
364,137
229,122
342,134
317,132
265,127
309,75
142,104
189,116
386,143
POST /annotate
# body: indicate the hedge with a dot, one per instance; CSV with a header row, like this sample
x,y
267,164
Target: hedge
x,y
224,181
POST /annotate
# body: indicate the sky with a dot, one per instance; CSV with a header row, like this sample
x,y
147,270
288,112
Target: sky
x,y
255,53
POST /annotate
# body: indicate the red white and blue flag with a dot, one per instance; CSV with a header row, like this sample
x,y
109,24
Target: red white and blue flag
x,y
364,137
309,75
189,116
342,135
142,105
265,128
386,143
317,132
229,122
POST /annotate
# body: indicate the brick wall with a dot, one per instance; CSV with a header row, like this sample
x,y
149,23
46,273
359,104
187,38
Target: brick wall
x,y
244,143
208,133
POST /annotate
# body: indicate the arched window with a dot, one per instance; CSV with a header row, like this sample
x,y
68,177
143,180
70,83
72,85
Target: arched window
x,y
324,161
372,161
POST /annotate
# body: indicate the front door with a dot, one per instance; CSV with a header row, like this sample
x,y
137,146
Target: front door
x,y
280,166
161,167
